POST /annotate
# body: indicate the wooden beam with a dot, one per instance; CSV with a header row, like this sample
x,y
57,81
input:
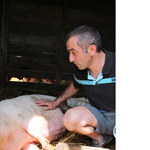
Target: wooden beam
x,y
32,85
20,73
6,7
32,63
60,53
1,48
70,146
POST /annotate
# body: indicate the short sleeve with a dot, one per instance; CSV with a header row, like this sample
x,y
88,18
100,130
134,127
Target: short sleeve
x,y
76,84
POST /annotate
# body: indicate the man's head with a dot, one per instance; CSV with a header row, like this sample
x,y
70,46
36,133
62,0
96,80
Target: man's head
x,y
86,36
82,44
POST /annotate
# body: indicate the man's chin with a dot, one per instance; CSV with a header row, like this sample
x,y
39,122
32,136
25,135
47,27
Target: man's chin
x,y
81,68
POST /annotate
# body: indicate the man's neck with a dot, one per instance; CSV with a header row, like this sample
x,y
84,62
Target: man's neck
x,y
98,63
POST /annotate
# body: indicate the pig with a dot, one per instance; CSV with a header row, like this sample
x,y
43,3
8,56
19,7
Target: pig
x,y
23,124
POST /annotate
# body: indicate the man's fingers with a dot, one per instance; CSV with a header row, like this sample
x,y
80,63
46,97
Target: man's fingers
x,y
48,104
42,104
40,101
47,108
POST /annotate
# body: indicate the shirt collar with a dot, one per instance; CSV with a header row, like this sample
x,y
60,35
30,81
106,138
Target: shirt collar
x,y
106,69
89,77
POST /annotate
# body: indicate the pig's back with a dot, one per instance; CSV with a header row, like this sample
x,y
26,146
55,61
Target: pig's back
x,y
24,107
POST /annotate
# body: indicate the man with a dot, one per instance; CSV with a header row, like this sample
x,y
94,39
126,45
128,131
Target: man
x,y
95,73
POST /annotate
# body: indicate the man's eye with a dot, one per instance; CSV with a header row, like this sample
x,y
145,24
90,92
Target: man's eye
x,y
73,53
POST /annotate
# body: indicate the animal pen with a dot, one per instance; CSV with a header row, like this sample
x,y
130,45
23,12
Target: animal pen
x,y
32,42
33,54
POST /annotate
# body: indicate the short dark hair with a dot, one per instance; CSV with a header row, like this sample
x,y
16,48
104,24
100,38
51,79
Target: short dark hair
x,y
86,37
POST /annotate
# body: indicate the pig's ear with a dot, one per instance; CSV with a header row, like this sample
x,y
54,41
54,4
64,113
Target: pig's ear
x,y
64,107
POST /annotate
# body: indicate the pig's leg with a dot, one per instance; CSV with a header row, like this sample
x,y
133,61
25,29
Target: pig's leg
x,y
34,129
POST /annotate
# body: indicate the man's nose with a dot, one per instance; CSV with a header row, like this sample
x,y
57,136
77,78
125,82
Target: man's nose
x,y
71,58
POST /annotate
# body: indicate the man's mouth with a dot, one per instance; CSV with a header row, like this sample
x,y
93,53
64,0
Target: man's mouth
x,y
76,64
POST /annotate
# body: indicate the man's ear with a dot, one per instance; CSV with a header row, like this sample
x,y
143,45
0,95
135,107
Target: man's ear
x,y
92,49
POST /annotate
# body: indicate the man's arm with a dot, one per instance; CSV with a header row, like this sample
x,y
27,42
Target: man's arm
x,y
68,93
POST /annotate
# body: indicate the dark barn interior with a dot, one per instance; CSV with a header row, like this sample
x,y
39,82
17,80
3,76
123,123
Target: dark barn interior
x,y
32,42
33,55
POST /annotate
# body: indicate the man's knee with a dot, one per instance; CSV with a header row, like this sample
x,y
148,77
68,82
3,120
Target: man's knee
x,y
78,117
71,119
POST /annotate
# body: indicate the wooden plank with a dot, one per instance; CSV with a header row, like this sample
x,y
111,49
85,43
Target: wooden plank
x,y
33,63
106,29
101,27
20,73
67,76
30,85
72,146
37,20
40,86
34,40
36,9
37,74
39,2
100,6
44,9
31,48
41,55
91,16
67,67
37,86
27,28
108,39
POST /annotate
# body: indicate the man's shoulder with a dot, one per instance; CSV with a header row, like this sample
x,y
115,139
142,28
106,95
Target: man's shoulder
x,y
109,66
108,52
110,55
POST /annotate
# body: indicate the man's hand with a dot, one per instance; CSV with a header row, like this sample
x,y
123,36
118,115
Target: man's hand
x,y
47,103
68,93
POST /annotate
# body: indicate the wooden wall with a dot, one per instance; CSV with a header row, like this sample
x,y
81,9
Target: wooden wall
x,y
37,30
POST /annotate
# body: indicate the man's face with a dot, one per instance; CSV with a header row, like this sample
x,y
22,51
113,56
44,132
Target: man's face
x,y
76,55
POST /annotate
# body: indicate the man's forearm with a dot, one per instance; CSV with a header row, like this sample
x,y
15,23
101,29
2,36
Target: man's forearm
x,y
68,93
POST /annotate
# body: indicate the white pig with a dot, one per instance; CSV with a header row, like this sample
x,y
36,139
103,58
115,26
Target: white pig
x,y
23,124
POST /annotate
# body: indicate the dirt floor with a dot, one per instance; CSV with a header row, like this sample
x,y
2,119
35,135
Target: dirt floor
x,y
69,137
